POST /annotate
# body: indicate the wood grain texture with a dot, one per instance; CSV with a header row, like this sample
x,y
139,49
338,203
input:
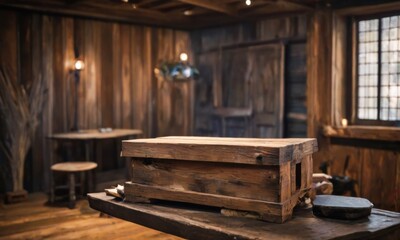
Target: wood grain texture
x,y
90,134
319,35
175,100
374,166
366,132
237,180
232,150
269,211
197,223
250,85
33,219
115,88
378,177
231,173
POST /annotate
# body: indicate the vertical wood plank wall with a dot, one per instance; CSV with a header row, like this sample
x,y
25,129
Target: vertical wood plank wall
x,y
117,87
207,44
374,165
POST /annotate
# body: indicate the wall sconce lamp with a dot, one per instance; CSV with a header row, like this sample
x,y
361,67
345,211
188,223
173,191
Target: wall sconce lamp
x,y
79,65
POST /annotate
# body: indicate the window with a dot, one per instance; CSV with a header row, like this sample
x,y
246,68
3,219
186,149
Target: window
x,y
378,70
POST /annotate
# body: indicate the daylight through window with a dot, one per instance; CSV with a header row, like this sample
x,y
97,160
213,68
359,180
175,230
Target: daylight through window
x,y
378,69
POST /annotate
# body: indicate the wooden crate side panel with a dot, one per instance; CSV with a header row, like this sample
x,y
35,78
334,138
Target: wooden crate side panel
x,y
204,153
295,177
236,180
306,172
269,211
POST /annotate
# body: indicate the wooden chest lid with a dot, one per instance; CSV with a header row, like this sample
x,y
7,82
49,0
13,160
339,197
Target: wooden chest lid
x,y
259,151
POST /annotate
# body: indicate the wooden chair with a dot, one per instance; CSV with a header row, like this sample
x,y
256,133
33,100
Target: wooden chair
x,y
71,168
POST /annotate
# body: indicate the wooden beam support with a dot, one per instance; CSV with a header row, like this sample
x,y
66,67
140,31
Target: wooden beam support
x,y
100,10
212,5
289,4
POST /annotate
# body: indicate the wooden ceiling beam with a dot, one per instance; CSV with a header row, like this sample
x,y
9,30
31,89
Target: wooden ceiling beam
x,y
94,9
215,5
290,4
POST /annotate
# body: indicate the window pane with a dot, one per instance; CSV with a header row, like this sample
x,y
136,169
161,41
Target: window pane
x,y
390,69
378,69
368,45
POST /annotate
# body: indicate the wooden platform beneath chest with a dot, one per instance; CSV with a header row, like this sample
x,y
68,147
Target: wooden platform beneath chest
x,y
264,176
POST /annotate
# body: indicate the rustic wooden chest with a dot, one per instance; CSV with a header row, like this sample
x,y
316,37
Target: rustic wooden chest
x,y
263,176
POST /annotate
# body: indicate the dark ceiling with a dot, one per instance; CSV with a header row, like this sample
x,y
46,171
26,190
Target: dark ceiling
x,y
183,14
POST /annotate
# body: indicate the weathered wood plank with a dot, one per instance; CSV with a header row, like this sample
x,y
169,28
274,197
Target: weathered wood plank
x,y
47,73
117,75
115,86
34,219
319,92
366,132
138,88
269,211
215,178
197,223
378,177
233,150
68,59
126,75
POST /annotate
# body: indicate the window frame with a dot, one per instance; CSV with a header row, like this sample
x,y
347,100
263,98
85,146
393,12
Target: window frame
x,y
352,109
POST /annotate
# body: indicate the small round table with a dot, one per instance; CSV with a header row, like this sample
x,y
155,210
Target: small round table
x,y
71,168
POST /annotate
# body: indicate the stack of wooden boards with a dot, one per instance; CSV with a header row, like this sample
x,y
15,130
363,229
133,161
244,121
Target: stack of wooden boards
x,y
264,176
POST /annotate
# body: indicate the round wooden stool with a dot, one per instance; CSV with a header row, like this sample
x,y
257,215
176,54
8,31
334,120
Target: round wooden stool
x,y
71,168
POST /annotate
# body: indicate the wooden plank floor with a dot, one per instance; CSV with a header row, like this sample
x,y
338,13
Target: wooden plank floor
x,y
34,219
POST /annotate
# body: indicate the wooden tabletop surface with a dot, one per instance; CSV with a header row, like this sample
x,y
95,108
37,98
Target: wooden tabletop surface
x,y
73,166
194,222
88,134
260,151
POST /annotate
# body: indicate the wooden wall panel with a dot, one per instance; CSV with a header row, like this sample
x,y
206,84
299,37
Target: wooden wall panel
x,y
107,91
116,75
223,59
9,64
47,73
148,102
59,113
319,67
282,28
295,91
337,163
116,87
174,99
378,177
8,41
126,86
374,165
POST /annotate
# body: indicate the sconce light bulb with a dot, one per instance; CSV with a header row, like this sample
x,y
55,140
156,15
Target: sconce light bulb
x,y
79,65
248,2
344,122
183,56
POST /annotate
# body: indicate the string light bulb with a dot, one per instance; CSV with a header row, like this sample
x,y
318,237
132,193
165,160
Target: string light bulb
x,y
248,2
